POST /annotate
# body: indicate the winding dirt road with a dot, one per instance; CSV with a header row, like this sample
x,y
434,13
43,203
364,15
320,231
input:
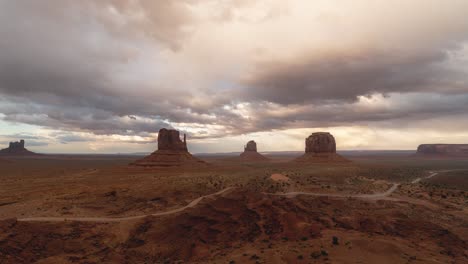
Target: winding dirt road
x,y
361,196
375,196
119,219
428,177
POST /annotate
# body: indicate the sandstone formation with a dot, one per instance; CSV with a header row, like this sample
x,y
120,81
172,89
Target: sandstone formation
x,y
443,150
320,142
250,153
251,146
172,152
320,147
16,149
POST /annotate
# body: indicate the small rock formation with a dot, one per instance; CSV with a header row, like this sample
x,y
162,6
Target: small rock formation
x,y
16,149
320,147
443,150
172,152
250,153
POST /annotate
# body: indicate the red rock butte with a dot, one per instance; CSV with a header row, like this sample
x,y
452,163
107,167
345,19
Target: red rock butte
x,y
320,147
172,152
16,149
250,153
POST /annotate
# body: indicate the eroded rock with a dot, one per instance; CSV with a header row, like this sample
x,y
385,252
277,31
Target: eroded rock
x,y
320,142
169,139
250,153
16,148
320,147
251,146
172,152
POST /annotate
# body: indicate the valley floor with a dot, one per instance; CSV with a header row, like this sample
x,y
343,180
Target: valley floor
x,y
98,210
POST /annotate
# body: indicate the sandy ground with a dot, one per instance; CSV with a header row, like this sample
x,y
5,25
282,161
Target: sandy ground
x,y
97,210
279,177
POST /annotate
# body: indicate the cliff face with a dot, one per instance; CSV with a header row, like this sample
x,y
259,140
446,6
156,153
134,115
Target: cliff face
x,y
169,139
16,148
320,142
456,150
320,147
251,146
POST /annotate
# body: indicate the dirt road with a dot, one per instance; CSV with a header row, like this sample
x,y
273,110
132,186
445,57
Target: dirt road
x,y
119,219
375,196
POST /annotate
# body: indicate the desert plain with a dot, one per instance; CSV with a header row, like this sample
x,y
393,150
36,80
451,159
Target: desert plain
x,y
377,208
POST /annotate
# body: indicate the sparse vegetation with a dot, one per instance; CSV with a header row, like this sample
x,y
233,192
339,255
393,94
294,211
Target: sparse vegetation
x,y
276,225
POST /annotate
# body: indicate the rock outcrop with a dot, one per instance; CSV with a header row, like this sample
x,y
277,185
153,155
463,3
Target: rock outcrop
x,y
443,150
250,153
251,146
169,139
172,152
16,149
320,147
320,142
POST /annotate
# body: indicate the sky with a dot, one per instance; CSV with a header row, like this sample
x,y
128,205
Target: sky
x,y
104,76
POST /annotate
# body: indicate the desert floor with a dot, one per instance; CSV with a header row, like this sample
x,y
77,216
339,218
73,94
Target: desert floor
x,y
96,209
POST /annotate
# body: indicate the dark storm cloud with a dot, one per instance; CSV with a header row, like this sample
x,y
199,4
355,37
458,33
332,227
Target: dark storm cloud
x,y
88,122
59,64
83,66
396,109
344,77
57,55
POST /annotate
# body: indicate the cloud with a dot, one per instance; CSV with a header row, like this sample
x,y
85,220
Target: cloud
x,y
215,69
345,77
74,65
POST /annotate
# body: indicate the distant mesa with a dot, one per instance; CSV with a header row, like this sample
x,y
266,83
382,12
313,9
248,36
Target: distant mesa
x,y
320,147
250,153
443,150
172,152
17,149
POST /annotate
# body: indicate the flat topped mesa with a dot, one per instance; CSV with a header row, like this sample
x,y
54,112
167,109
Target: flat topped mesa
x,y
443,150
172,152
250,153
16,148
320,147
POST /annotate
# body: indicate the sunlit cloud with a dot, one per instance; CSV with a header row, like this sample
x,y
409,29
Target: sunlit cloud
x,y
105,76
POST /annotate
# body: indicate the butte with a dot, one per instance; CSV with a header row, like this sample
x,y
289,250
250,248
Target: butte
x,y
320,148
250,153
172,152
16,149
